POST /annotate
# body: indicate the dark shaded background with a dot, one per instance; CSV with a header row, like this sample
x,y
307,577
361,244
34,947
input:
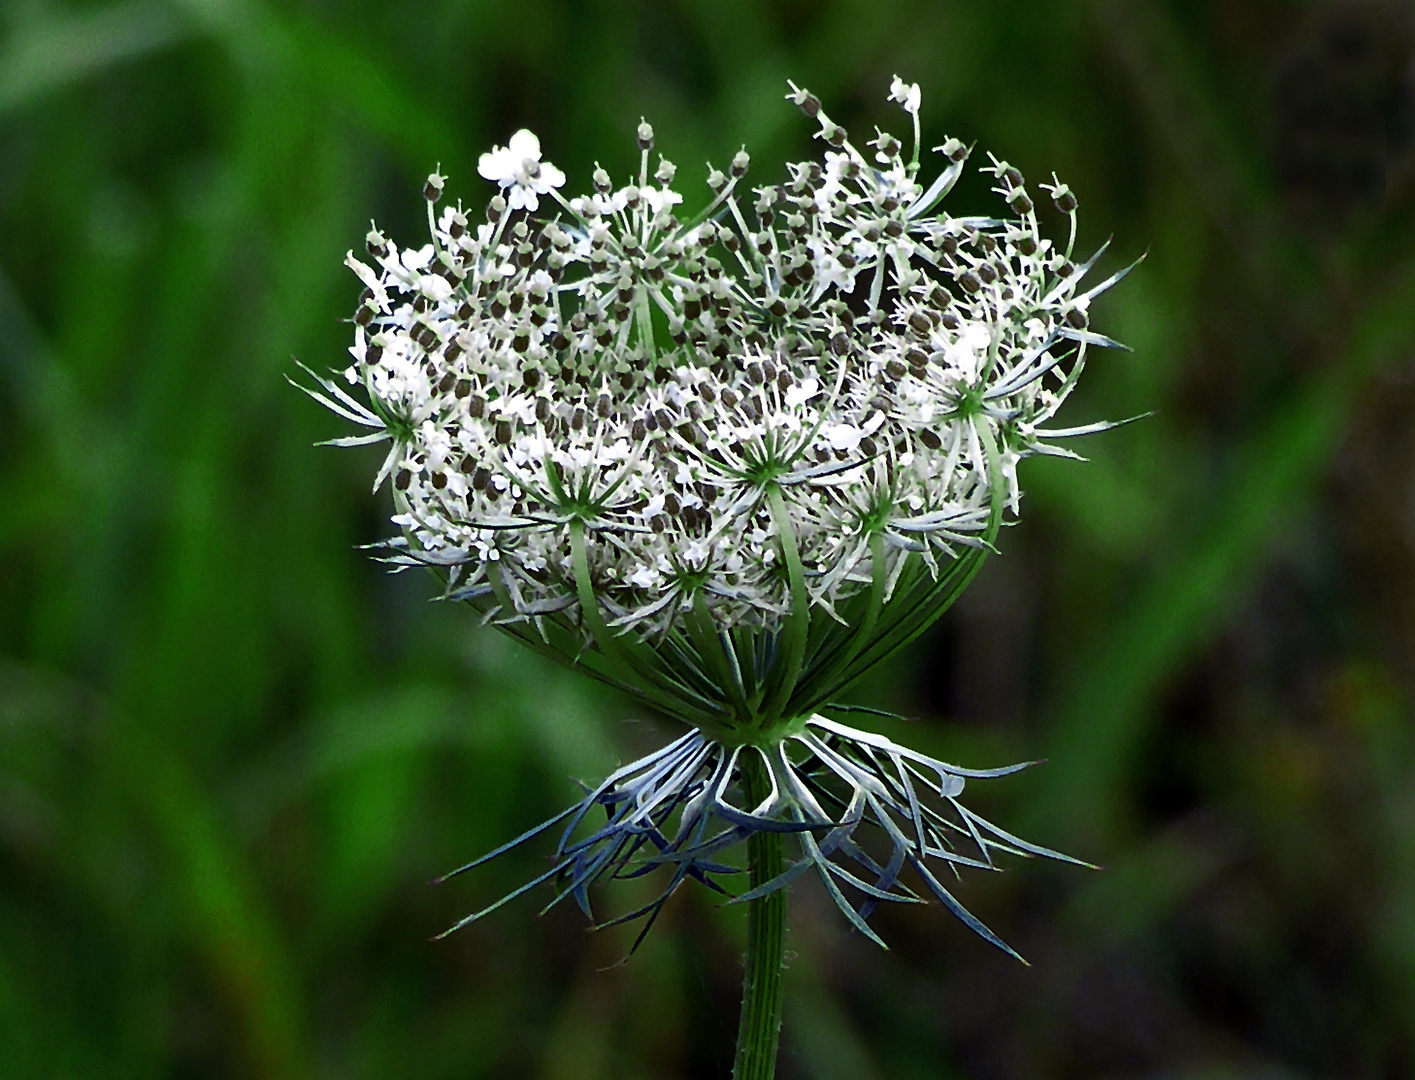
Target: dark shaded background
x,y
233,751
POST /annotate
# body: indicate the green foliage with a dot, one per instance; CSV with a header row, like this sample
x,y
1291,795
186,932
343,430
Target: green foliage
x,y
232,750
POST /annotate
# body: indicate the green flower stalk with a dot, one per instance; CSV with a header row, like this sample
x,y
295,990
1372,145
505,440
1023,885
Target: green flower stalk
x,y
727,466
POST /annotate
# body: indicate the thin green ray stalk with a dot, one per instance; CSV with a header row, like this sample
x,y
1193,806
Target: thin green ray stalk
x,y
622,653
798,622
763,984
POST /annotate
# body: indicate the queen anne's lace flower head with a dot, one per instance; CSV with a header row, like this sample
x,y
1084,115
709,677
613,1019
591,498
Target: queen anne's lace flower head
x,y
725,463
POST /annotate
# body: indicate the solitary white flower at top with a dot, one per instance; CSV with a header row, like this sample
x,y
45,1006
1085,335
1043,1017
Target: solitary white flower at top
x,y
519,167
907,94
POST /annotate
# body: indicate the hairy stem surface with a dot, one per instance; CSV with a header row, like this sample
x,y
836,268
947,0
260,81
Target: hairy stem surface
x,y
762,986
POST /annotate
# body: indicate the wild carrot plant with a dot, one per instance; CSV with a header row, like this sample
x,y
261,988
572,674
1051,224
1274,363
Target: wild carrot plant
x,y
727,465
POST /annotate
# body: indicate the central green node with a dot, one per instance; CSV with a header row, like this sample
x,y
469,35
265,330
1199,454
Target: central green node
x,y
763,473
754,731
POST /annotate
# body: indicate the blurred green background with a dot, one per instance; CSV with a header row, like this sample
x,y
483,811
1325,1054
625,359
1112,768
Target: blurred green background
x,y
233,751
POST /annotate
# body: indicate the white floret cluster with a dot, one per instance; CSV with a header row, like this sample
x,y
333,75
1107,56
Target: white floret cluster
x,y
810,367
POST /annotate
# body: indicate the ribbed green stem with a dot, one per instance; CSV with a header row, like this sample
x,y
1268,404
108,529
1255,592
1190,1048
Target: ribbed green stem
x,y
763,987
